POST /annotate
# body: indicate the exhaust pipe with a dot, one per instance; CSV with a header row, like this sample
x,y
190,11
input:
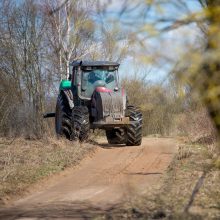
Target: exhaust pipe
x,y
49,115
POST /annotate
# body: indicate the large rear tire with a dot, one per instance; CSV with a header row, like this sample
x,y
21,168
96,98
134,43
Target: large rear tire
x,y
63,116
81,123
134,130
115,136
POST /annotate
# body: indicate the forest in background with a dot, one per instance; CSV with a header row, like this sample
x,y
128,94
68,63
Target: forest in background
x,y
38,40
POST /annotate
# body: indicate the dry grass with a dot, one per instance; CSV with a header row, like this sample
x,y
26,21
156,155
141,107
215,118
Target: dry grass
x,y
24,162
183,175
169,198
197,126
183,152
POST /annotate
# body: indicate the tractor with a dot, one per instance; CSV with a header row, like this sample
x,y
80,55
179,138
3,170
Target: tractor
x,y
92,98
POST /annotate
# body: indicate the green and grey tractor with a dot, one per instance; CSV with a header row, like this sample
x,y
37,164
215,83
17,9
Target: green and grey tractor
x,y
92,98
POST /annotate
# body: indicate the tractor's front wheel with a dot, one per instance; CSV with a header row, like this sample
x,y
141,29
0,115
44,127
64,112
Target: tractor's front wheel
x,y
81,125
134,130
115,136
63,118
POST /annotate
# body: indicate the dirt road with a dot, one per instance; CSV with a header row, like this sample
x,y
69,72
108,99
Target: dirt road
x,y
110,176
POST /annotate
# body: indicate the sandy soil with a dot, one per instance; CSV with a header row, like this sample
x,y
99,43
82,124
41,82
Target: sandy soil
x,y
112,175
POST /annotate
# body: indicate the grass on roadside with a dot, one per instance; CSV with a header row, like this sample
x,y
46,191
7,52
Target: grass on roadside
x,y
24,162
186,192
169,198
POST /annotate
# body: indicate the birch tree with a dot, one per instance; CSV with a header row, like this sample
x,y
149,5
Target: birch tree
x,y
70,32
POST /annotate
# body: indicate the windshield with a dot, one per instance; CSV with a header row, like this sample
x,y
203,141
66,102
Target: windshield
x,y
98,78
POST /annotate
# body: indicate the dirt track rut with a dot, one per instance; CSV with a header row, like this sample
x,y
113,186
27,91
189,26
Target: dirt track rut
x,y
110,176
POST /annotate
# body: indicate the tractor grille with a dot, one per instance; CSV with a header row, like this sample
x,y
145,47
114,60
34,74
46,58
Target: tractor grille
x,y
112,104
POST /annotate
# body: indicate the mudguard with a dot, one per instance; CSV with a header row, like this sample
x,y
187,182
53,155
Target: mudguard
x,y
65,88
69,96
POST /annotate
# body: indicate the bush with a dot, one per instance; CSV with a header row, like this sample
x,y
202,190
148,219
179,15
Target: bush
x,y
197,126
156,103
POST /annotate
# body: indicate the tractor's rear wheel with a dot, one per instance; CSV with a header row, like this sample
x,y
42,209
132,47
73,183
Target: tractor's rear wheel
x,y
81,126
134,130
63,118
115,136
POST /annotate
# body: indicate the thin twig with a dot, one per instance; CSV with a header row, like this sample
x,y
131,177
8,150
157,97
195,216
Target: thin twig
x,y
9,143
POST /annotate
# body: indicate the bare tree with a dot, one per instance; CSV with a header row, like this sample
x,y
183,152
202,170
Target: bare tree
x,y
22,63
70,32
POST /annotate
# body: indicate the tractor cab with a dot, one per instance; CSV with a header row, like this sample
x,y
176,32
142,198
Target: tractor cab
x,y
88,77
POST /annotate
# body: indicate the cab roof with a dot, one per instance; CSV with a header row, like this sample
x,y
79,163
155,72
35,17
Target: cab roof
x,y
94,63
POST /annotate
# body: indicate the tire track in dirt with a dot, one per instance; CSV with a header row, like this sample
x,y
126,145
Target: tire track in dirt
x,y
111,176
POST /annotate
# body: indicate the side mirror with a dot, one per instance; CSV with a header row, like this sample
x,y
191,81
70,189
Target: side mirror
x,y
70,77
